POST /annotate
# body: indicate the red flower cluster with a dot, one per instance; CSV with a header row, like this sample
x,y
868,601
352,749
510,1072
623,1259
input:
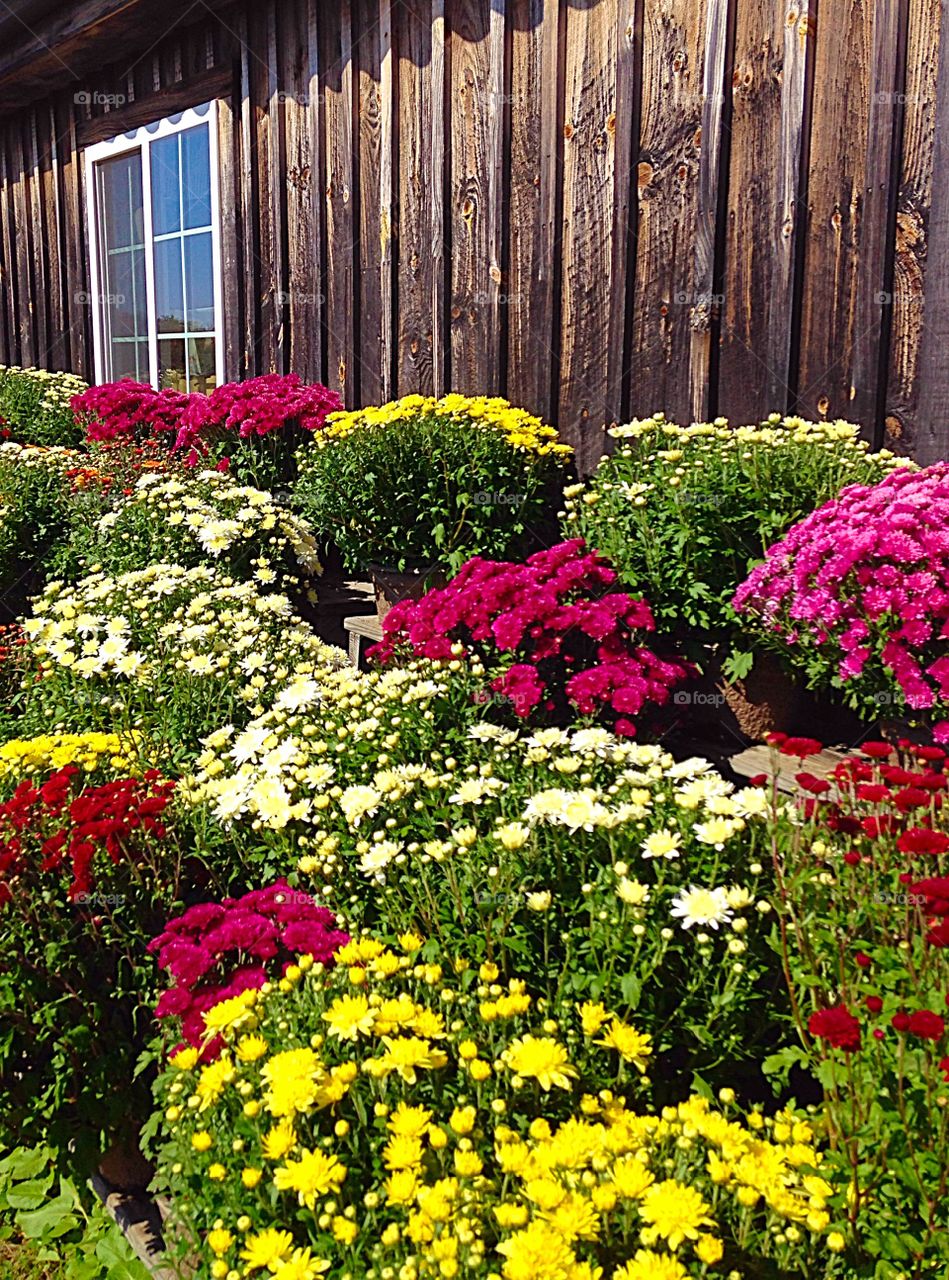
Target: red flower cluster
x,y
837,1026
573,642
924,1024
132,410
63,826
217,950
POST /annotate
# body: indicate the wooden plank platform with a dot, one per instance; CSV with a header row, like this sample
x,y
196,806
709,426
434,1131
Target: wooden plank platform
x,y
757,760
363,630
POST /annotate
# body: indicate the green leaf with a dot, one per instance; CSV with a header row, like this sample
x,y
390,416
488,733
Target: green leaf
x,y
29,1195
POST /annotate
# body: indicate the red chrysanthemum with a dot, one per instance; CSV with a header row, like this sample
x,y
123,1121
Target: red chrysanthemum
x,y
837,1026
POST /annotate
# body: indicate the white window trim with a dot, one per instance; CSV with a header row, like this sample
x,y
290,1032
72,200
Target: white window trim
x,y
132,141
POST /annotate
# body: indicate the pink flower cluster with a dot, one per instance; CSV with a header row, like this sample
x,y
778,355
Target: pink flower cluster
x,y
243,409
217,950
128,409
865,580
573,642
256,408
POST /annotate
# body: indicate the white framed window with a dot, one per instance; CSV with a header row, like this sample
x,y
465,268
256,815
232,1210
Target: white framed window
x,y
155,253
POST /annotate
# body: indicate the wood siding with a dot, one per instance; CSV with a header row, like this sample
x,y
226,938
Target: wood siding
x,y
600,208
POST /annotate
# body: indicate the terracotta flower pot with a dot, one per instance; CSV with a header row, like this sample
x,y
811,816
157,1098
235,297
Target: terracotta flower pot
x,y
393,586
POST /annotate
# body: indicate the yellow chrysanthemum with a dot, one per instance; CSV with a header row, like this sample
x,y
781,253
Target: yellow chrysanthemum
x,y
540,1058
266,1249
349,1017
674,1212
314,1174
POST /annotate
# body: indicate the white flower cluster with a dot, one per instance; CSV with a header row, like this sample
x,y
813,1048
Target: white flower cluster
x,y
216,515
194,623
52,457
282,766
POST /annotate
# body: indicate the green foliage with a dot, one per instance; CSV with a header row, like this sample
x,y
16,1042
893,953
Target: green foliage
x,y
34,519
34,406
683,513
853,916
421,482
65,1237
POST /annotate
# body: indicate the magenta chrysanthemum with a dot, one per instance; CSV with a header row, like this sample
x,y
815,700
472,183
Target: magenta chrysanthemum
x,y
863,583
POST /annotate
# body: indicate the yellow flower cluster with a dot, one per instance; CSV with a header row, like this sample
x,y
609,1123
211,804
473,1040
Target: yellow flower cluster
x,y
521,429
55,389
52,751
53,457
436,1127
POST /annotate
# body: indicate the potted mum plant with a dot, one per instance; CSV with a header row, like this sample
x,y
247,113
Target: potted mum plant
x,y
684,513
856,597
416,487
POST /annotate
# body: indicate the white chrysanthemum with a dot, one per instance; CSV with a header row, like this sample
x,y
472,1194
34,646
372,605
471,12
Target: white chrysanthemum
x,y
662,844
706,907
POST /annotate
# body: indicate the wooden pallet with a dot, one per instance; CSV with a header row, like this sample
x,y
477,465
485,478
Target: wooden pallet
x,y
757,760
363,630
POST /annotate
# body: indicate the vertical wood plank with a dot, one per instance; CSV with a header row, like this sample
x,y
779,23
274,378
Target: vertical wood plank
x,y
75,256
267,111
760,213
342,371
301,106
533,276
836,180
668,164
933,411
627,119
588,202
704,304
23,264
232,237
477,86
372,48
441,285
38,241
7,254
419,121
874,300
52,205
924,35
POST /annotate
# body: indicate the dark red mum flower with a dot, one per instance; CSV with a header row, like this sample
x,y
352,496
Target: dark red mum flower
x,y
799,747
874,1004
922,840
926,1024
863,960
877,750
837,1026
817,786
899,1021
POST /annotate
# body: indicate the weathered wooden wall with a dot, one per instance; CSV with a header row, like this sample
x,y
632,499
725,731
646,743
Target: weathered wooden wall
x,y
596,207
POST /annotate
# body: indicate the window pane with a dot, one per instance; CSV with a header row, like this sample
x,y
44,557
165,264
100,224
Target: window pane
x,y
171,364
166,186
169,296
196,176
199,279
123,302
201,364
129,360
120,201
